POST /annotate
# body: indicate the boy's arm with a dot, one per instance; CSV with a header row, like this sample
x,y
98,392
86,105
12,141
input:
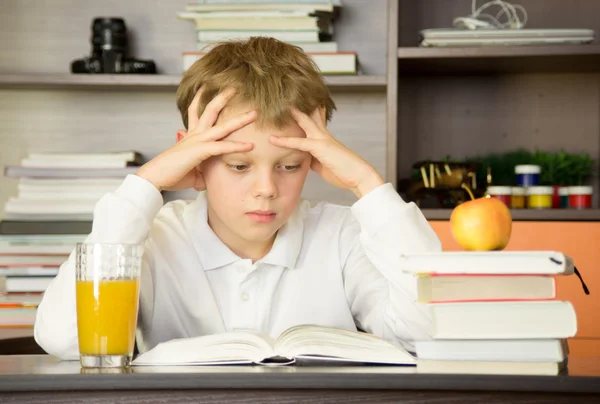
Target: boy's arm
x,y
382,297
123,216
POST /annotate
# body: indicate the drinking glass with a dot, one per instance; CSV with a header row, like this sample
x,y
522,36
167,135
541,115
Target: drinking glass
x,y
107,290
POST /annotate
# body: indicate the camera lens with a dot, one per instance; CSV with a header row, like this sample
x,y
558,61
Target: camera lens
x,y
109,34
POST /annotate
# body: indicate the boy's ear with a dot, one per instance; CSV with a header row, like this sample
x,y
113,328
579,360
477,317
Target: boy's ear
x,y
180,135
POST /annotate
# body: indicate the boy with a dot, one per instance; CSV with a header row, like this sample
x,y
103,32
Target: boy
x,y
248,253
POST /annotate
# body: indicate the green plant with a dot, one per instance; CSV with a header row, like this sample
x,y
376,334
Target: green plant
x,y
502,165
563,168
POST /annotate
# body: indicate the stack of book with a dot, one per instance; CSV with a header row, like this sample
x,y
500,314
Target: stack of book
x,y
63,187
493,312
51,213
306,24
28,263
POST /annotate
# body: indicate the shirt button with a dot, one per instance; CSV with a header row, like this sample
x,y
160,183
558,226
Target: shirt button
x,y
244,296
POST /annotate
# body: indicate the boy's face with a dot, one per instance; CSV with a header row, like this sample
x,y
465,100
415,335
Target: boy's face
x,y
252,194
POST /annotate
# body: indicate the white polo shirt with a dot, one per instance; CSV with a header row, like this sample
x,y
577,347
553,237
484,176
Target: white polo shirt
x,y
330,265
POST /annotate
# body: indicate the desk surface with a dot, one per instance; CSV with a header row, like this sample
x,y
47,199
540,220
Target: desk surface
x,y
45,373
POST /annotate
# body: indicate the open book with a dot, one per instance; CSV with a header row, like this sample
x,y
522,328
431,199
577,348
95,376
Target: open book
x,y
298,344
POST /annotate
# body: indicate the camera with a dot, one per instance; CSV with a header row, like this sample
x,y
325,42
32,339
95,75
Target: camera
x,y
109,51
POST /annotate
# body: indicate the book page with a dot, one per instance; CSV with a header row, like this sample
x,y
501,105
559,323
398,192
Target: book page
x,y
306,341
227,348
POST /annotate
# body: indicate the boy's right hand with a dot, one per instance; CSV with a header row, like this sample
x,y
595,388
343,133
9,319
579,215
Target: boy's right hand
x,y
177,167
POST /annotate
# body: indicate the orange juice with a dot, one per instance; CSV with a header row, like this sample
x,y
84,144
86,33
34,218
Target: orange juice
x,y
107,316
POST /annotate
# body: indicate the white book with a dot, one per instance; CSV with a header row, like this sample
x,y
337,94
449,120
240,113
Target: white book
x,y
509,350
299,343
33,183
29,271
73,163
21,206
63,195
284,36
26,284
274,5
60,189
36,249
488,262
334,2
190,15
490,367
328,63
56,172
316,47
32,260
120,156
502,320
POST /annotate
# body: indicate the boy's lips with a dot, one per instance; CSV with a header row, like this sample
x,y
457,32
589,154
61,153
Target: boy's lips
x,y
262,216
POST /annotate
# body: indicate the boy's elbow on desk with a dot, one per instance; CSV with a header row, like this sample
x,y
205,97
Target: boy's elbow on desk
x,y
49,338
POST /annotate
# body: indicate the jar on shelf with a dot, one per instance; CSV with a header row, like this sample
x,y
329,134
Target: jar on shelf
x,y
518,200
563,193
528,175
539,197
580,197
502,193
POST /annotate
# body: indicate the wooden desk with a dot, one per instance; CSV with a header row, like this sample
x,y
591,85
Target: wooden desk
x,y
43,379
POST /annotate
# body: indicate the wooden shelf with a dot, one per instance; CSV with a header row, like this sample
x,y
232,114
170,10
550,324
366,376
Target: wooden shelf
x,y
556,215
499,59
150,82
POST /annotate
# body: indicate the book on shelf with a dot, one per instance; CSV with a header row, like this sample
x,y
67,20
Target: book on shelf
x,y
345,63
83,160
15,317
298,344
304,36
315,47
313,6
247,21
29,271
32,260
66,172
25,284
35,249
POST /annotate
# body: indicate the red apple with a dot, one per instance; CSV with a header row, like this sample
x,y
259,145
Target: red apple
x,y
482,224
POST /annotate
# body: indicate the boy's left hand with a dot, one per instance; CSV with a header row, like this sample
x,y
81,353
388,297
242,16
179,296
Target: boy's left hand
x,y
337,164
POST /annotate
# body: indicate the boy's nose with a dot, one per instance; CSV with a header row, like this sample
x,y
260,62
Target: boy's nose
x,y
265,187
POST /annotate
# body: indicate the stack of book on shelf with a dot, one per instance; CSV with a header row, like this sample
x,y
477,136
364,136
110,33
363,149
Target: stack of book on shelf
x,y
51,213
493,312
28,263
306,24
57,188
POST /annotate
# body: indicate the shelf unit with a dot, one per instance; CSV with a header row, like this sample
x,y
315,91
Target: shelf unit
x,y
467,101
151,82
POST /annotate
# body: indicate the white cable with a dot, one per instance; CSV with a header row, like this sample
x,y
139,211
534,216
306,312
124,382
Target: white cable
x,y
479,19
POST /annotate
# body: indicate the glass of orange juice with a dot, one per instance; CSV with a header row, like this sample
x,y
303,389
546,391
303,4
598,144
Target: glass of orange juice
x,y
107,289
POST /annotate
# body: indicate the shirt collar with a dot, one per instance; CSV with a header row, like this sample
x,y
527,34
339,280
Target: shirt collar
x,y
213,253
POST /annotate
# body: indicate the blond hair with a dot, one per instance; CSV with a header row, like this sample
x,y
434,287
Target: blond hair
x,y
269,75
